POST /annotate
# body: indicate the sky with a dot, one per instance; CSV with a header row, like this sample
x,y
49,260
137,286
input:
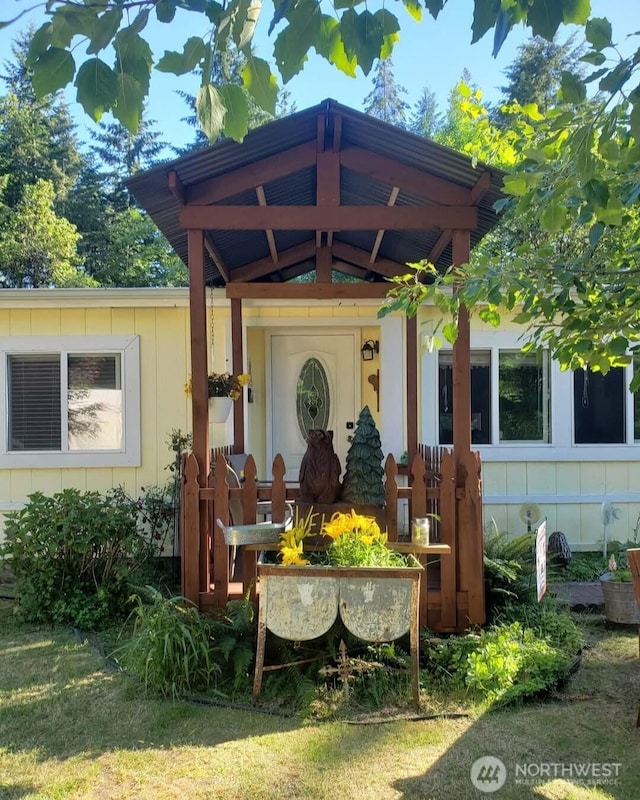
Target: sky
x,y
429,54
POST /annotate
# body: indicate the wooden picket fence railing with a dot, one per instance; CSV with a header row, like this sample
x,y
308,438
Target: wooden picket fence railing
x,y
448,490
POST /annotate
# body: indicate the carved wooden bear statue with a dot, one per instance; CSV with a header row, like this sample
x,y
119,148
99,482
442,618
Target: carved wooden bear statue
x,y
320,469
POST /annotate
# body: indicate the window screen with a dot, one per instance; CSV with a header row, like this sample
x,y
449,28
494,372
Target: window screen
x,y
599,403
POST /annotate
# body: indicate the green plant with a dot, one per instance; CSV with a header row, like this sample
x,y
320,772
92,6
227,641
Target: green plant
x,y
548,622
234,633
222,384
356,541
171,648
586,566
511,662
74,556
509,568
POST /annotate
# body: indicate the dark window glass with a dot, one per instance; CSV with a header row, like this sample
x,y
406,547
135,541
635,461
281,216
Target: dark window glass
x,y
598,404
480,397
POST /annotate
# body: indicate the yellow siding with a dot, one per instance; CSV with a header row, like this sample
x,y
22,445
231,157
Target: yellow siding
x,y
164,356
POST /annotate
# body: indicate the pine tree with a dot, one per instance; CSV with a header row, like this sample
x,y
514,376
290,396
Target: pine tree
x,y
425,119
385,101
364,474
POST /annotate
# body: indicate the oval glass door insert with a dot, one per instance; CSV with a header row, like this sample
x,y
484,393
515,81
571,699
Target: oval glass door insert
x,y
312,397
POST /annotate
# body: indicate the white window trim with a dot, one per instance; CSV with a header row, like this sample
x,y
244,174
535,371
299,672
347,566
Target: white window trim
x,y
562,446
129,349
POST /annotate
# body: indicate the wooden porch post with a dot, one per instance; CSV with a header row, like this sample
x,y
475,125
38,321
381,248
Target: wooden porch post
x,y
469,547
411,330
237,368
462,359
199,382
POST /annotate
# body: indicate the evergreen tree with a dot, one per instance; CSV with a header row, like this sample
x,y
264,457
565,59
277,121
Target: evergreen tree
x,y
458,129
37,247
535,74
37,137
385,100
364,474
425,119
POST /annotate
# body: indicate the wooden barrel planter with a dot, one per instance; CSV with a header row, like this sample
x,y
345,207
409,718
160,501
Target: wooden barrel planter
x,y
620,603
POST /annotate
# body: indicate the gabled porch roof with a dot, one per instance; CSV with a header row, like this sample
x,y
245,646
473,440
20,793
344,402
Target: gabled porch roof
x,y
375,195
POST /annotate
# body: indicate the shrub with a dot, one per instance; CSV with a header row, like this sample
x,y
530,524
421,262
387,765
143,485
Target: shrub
x,y
171,646
548,623
74,556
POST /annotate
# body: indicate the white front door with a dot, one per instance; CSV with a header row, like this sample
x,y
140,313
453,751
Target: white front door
x,y
314,384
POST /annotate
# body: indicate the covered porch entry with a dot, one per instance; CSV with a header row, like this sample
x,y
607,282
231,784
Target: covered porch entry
x,y
325,193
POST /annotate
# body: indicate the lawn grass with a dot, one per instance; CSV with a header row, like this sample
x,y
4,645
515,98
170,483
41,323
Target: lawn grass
x,y
72,728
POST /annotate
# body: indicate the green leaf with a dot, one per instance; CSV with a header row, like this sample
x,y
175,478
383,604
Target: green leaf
x,y
129,101
581,142
329,45
363,37
515,184
260,83
572,88
490,316
593,57
390,27
165,11
617,78
71,20
245,22
634,120
290,52
414,9
236,119
598,33
576,12
450,332
553,218
485,13
40,41
618,346
97,86
53,70
210,111
106,28
595,234
434,7
181,63
544,18
596,192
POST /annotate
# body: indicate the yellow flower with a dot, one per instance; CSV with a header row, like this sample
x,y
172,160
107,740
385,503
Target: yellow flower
x,y
293,556
244,379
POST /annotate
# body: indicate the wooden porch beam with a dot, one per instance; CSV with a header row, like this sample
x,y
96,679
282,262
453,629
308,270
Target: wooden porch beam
x,y
176,187
361,258
409,179
411,329
323,265
216,257
308,291
376,245
462,360
328,218
439,247
286,258
481,187
262,201
238,368
257,174
351,269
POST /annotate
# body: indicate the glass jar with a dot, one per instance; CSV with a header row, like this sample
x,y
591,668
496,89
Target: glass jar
x,y
420,531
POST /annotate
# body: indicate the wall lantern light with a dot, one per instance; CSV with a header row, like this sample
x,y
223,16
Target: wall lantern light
x,y
370,348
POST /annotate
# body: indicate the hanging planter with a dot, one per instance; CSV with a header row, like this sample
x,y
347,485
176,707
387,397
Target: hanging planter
x,y
219,408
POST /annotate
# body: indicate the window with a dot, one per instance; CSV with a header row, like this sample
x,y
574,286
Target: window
x,y
523,390
67,404
599,406
510,397
480,397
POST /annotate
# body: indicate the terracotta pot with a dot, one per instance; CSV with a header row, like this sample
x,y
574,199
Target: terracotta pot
x,y
219,408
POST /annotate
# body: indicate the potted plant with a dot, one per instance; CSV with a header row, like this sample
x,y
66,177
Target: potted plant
x,y
222,388
620,603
